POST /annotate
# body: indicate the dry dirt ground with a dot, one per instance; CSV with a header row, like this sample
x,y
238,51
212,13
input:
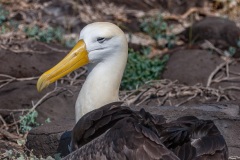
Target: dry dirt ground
x,y
200,78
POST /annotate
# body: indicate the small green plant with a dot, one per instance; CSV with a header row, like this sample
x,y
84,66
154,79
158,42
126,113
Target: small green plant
x,y
3,29
70,43
44,35
28,121
48,120
6,24
3,14
141,69
238,42
157,28
231,51
49,35
57,156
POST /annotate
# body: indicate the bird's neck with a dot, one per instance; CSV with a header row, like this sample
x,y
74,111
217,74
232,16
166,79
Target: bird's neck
x,y
102,84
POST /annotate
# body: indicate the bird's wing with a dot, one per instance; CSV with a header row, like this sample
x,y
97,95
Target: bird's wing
x,y
127,139
191,138
97,122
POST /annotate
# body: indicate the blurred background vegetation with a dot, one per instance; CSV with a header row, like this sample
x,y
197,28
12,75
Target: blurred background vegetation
x,y
59,22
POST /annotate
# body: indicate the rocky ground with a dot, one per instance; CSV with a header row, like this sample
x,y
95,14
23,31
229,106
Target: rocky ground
x,y
201,78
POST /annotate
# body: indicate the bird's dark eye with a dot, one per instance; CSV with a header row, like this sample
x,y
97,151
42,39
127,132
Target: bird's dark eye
x,y
101,40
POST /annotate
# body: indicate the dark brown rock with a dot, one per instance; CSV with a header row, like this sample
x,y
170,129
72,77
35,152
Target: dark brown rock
x,y
191,66
31,59
19,95
222,32
51,139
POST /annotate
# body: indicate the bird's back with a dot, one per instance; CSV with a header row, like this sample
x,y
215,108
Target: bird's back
x,y
117,132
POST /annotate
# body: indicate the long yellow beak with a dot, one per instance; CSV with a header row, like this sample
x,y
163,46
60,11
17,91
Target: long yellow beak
x,y
75,59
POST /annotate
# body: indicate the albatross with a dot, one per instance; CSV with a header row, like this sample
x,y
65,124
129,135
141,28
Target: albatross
x,y
107,130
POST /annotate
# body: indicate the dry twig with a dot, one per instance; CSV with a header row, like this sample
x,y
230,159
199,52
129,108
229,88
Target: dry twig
x,y
187,13
8,79
224,76
214,72
208,45
4,123
9,135
165,90
56,89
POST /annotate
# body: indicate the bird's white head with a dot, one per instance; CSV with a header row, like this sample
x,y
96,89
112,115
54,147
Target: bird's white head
x,y
103,40
103,46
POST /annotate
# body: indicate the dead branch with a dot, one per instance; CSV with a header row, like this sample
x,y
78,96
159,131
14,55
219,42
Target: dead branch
x,y
4,123
231,88
14,110
234,158
187,100
136,98
9,135
16,125
208,45
226,79
163,91
214,72
56,89
225,75
10,79
74,77
186,14
234,73
128,95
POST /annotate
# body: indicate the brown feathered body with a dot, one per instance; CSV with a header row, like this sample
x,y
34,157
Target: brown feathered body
x,y
117,132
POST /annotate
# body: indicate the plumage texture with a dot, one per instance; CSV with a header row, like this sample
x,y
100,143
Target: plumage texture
x,y
117,132
191,138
